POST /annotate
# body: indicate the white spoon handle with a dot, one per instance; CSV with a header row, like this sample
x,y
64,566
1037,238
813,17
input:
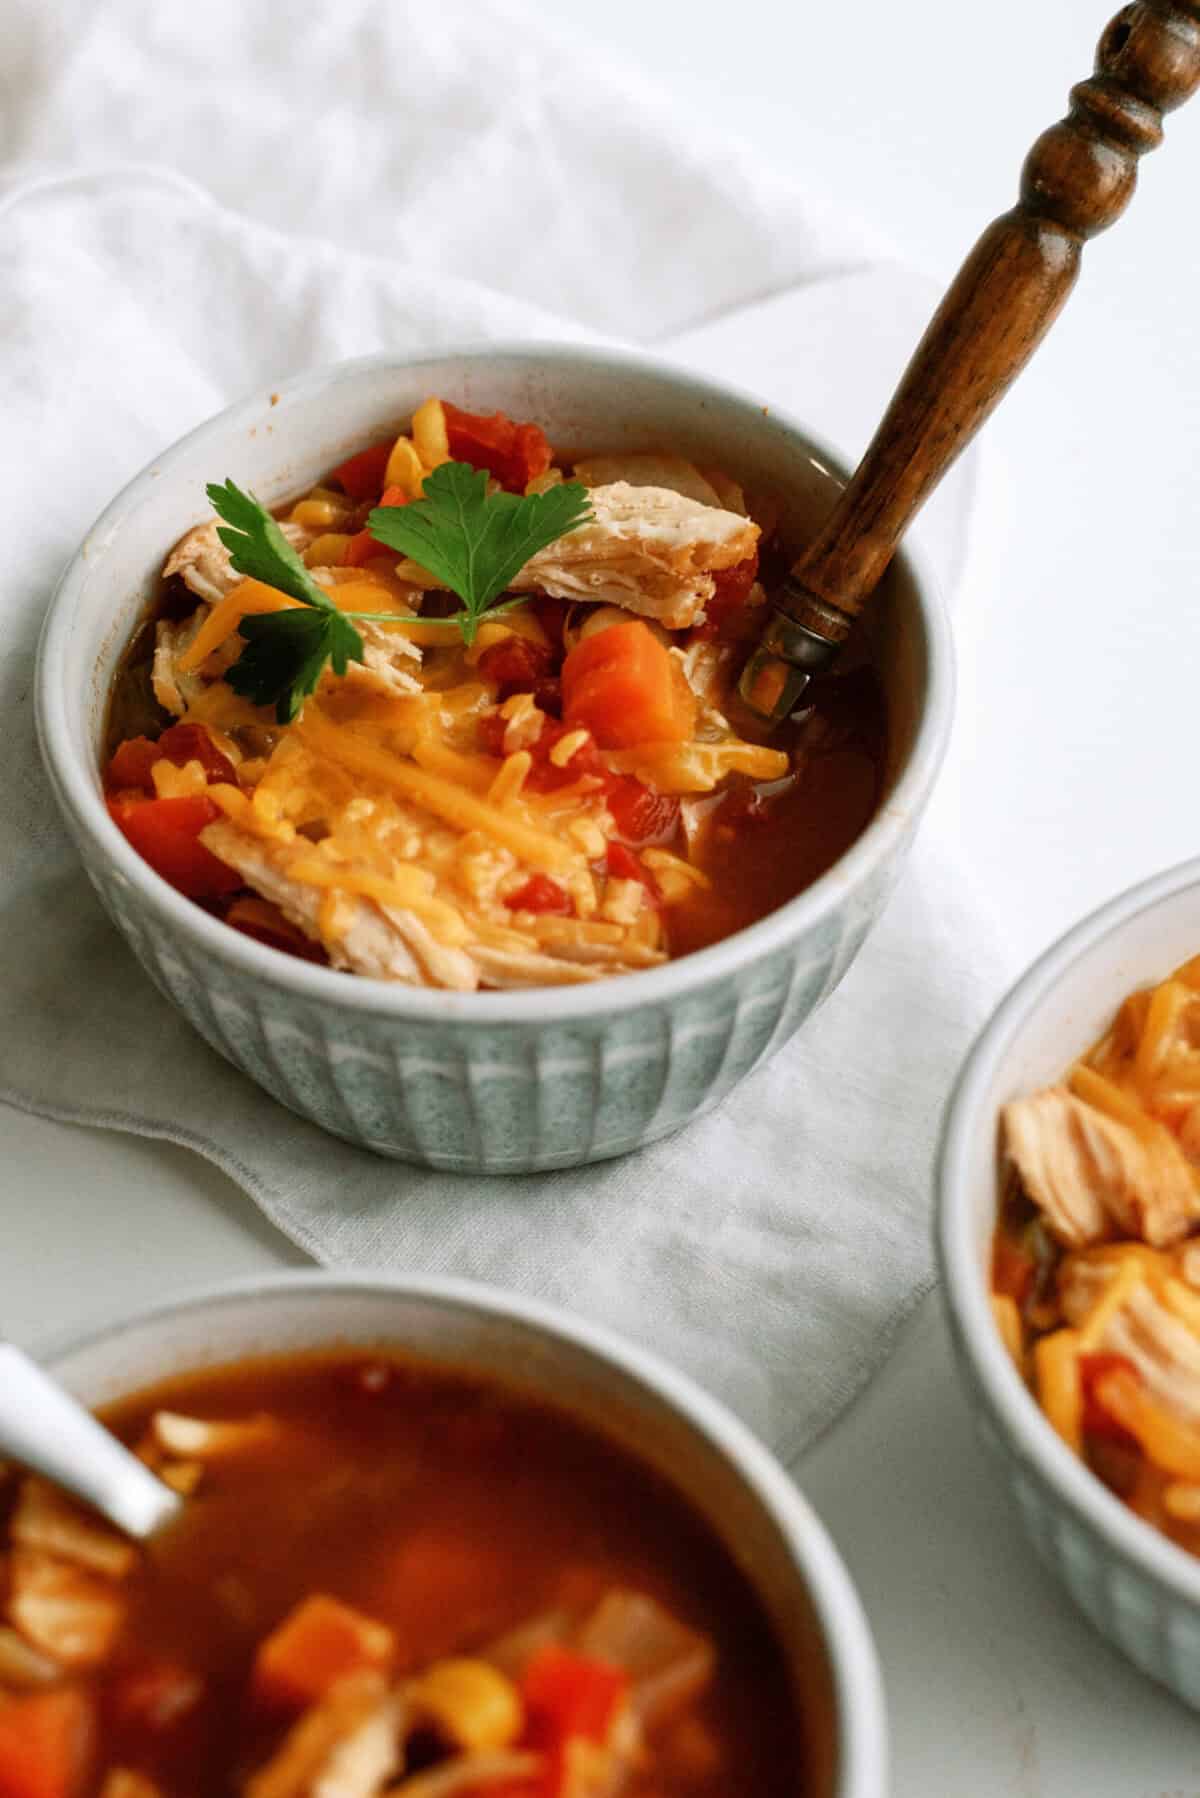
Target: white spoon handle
x,y
46,1430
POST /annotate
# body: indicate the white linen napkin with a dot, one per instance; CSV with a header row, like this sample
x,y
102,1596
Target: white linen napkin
x,y
195,201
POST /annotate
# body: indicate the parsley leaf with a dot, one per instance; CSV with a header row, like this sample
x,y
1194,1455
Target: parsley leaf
x,y
286,652
474,541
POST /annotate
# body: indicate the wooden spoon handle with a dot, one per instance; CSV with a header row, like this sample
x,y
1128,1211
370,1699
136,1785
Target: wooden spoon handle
x,y
1077,180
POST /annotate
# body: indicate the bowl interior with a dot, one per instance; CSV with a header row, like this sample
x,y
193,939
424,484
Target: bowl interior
x,y
460,1328
278,444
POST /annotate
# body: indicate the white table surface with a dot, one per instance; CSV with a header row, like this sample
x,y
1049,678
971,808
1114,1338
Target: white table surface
x,y
1070,778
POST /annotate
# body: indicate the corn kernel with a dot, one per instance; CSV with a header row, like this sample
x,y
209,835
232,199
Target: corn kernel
x,y
429,434
327,550
316,514
404,468
171,782
471,1702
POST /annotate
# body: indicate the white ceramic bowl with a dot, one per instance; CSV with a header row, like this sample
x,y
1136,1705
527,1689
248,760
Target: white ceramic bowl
x,y
499,1082
690,1439
1141,1591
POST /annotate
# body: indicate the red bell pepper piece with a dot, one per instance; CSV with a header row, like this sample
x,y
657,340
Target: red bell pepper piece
x,y
362,476
514,453
47,1744
166,833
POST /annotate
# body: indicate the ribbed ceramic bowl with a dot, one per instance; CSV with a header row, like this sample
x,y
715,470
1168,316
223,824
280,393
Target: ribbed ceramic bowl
x,y
687,1437
1141,1591
486,1082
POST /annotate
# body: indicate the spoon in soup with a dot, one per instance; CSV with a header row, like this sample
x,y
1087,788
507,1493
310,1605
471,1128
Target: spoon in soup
x,y
44,1429
1077,180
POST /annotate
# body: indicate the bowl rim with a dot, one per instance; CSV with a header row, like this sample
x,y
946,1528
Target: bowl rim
x,y
860,1707
964,1290
74,779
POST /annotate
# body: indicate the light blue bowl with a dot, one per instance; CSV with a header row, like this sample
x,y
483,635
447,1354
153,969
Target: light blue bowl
x,y
493,1082
1134,1584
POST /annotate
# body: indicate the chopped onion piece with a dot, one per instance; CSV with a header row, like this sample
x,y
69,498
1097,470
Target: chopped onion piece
x,y
345,1746
62,1610
668,1663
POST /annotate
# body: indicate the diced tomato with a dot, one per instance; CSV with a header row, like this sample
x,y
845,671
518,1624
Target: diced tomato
x,y
546,776
259,919
132,763
640,814
47,1744
541,894
362,547
731,588
317,1644
1012,1269
514,453
623,864
569,1698
622,685
515,664
156,1698
1097,1419
362,476
166,832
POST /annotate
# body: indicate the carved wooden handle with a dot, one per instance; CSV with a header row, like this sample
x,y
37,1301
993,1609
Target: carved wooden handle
x,y
1077,180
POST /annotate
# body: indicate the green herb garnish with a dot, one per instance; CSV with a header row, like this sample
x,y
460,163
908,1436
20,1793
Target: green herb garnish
x,y
474,541
286,652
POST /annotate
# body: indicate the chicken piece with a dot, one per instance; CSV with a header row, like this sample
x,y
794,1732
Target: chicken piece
x,y
202,560
1088,1172
174,690
385,943
44,1518
646,549
347,1746
68,1614
389,659
1163,1351
649,470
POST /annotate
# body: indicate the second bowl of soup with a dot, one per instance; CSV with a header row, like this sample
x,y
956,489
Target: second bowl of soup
x,y
465,850
434,1542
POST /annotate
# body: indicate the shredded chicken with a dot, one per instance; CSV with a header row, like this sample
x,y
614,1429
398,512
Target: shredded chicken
x,y
174,689
1088,1172
69,1614
202,560
1162,1349
345,1746
646,549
